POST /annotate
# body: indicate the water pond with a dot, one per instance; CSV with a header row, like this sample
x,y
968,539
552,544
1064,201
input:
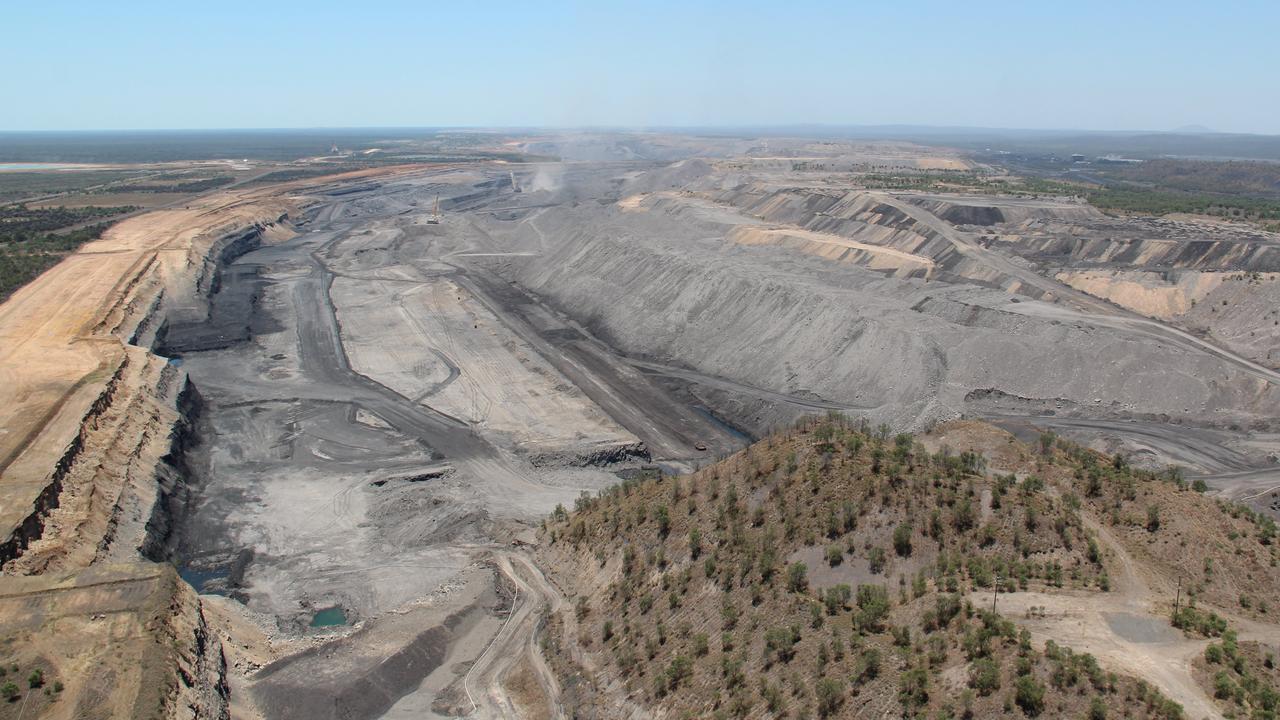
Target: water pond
x,y
329,617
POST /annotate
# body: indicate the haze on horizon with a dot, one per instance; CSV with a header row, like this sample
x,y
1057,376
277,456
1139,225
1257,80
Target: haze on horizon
x,y
386,63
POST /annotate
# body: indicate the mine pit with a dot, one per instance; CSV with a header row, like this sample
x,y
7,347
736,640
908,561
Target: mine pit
x,y
354,415
387,408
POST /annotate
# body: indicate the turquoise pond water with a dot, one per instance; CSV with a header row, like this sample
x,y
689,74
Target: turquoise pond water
x,y
329,617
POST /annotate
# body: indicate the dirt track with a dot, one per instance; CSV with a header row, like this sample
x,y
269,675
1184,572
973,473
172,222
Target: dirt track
x,y
516,642
1126,628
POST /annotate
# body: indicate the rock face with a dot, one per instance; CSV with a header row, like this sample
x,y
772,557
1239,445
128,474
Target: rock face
x,y
82,599
201,662
104,487
111,491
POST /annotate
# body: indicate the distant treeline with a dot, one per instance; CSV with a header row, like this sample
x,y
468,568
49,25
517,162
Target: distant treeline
x,y
1259,179
25,185
1127,197
943,180
18,223
1159,202
192,186
1135,145
300,174
174,145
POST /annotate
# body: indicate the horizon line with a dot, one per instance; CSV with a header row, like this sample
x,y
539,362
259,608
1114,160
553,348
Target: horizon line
x,y
882,127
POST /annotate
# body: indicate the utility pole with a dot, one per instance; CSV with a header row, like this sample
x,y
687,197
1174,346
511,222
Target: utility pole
x,y
1177,598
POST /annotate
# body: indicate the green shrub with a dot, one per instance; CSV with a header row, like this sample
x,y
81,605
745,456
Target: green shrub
x,y
1223,687
876,560
830,696
1208,624
873,606
664,520
780,643
867,667
1213,654
680,669
835,555
836,598
797,577
1029,695
902,540
984,676
913,689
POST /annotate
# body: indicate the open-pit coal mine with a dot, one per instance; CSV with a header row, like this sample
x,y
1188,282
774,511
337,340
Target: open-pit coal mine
x,y
343,407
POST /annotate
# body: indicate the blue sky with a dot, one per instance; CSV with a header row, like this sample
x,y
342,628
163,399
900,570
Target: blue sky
x,y
1081,64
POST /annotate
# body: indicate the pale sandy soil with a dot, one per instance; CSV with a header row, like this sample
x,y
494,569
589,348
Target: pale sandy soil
x,y
831,247
1146,293
446,349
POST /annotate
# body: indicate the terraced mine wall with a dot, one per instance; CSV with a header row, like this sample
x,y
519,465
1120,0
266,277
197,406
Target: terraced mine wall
x,y
1054,233
172,479
32,528
197,657
111,504
131,641
1213,279
286,696
1153,253
126,461
207,319
977,212
869,219
610,455
198,322
665,283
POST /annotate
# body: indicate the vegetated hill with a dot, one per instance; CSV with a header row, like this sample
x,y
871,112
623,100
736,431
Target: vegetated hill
x,y
837,571
1242,177
1243,676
